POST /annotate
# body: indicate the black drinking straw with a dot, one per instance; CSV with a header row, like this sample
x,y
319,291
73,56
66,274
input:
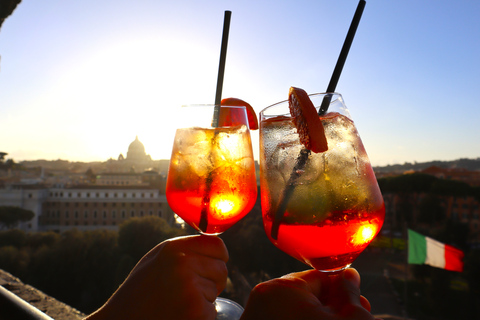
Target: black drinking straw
x,y
332,85
221,67
216,111
304,153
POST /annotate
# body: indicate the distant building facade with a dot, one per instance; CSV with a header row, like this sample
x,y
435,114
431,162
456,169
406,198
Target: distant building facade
x,y
61,200
87,208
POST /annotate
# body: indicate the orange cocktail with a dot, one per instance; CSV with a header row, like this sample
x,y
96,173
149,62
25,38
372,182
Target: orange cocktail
x,y
322,208
211,180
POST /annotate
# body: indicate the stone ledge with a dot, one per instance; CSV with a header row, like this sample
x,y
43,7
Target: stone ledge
x,y
48,305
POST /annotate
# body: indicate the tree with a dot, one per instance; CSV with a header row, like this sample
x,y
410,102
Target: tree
x,y
10,216
137,236
431,211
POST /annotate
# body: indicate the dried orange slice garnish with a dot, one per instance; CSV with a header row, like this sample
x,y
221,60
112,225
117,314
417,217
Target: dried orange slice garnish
x,y
252,116
306,119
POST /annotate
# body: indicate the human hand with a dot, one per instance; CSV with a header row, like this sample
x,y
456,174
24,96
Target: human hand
x,y
309,295
178,279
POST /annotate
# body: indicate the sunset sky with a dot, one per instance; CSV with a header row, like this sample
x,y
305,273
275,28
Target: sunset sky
x,y
80,79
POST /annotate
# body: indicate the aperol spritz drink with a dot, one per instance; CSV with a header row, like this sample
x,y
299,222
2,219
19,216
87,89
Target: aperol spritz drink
x,y
211,180
321,208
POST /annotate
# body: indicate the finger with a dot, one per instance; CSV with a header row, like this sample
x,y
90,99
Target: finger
x,y
345,289
210,246
314,281
365,303
213,270
208,288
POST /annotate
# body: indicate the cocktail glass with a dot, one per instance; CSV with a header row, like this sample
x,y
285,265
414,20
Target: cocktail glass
x,y
211,180
321,208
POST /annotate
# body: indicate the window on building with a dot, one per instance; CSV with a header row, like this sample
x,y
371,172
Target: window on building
x,y
95,213
132,213
66,214
114,214
76,214
123,213
104,214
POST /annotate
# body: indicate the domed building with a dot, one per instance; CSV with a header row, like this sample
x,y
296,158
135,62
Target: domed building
x,y
136,152
137,159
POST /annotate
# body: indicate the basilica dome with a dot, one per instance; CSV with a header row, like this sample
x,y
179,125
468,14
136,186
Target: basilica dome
x,y
136,151
136,147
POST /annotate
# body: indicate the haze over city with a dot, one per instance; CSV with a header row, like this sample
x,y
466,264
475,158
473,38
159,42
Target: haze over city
x,y
80,80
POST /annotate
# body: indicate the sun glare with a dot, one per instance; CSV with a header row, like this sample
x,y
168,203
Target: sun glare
x,y
364,234
224,205
131,87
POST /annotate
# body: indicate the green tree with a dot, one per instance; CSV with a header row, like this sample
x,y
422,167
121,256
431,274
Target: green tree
x,y
14,260
13,237
430,210
10,216
137,236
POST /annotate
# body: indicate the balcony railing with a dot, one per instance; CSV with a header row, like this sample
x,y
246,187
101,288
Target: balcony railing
x,y
13,307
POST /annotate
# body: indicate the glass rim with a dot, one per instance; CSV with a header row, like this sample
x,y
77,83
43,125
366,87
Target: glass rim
x,y
318,94
207,105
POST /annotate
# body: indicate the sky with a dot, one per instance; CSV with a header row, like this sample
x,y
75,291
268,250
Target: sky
x,y
79,80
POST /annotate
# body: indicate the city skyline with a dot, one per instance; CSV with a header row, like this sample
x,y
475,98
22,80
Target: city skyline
x,y
78,81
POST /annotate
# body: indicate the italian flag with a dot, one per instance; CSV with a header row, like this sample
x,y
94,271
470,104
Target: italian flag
x,y
425,250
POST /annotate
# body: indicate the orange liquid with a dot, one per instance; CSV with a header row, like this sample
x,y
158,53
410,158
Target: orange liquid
x,y
224,209
213,186
332,244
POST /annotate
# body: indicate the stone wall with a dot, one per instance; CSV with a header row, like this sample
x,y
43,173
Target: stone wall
x,y
52,307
